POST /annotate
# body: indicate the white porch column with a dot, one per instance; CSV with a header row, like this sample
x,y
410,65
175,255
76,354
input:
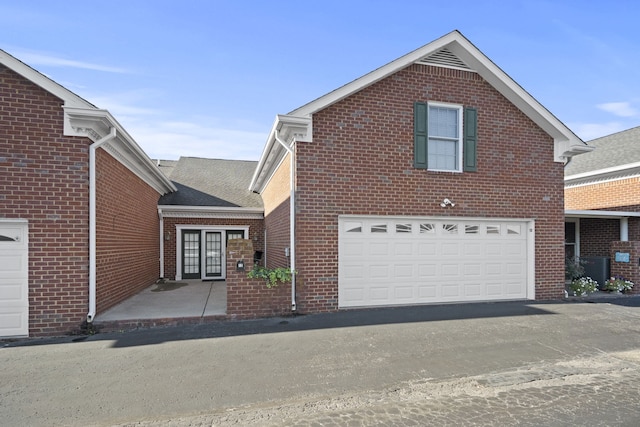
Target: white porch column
x,y
624,229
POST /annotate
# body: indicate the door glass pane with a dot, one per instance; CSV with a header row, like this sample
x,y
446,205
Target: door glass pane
x,y
191,253
213,254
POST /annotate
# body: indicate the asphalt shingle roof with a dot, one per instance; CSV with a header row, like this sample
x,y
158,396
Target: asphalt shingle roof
x,y
619,149
210,182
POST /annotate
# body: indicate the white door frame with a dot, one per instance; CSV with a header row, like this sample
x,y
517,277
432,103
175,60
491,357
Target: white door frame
x,y
204,229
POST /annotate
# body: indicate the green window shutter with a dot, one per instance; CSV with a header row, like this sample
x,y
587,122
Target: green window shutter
x,y
470,142
420,135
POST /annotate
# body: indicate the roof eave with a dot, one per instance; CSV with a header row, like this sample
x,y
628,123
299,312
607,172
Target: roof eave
x,y
289,129
95,124
563,137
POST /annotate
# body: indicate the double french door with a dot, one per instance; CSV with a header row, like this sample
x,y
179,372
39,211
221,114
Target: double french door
x,y
203,253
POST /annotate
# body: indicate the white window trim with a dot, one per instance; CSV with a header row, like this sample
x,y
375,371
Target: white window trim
x,y
460,109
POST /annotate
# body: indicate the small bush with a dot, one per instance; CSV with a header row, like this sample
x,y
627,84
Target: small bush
x,y
583,286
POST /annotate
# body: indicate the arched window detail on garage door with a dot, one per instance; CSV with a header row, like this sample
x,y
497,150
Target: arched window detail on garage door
x,y
7,239
353,227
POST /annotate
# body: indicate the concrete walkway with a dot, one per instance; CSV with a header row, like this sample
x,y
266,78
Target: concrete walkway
x,y
171,300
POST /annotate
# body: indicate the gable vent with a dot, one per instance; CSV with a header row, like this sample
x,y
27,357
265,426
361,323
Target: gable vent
x,y
444,58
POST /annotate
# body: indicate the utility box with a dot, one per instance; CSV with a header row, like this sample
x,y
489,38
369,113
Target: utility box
x,y
597,267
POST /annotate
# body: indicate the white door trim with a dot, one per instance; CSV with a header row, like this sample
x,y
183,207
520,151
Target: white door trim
x,y
204,229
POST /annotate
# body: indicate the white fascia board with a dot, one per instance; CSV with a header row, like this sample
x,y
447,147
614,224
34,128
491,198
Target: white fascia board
x,y
375,76
566,142
70,99
604,173
599,214
95,124
169,208
290,128
563,137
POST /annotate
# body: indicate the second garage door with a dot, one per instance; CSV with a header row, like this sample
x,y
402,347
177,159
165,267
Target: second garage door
x,y
401,261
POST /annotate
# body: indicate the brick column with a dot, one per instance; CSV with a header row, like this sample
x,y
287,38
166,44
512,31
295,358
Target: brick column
x,y
250,298
629,270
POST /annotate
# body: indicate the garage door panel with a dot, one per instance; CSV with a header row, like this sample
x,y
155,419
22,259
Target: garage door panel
x,y
426,260
427,249
450,249
473,290
12,290
404,293
14,272
354,249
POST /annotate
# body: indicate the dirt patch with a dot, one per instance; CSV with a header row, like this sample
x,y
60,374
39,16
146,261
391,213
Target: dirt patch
x,y
168,286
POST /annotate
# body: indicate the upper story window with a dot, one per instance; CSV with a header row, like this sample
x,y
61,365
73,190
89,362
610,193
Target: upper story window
x,y
444,147
445,137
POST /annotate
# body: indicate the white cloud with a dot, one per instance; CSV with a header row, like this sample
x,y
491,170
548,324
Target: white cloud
x,y
39,59
621,109
170,140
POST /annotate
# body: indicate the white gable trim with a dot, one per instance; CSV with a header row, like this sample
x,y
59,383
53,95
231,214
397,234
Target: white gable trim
x,y
567,143
70,99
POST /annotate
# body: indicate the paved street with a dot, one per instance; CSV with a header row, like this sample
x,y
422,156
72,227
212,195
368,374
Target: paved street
x,y
555,364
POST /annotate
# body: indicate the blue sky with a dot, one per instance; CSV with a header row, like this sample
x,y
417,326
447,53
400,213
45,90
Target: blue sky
x,y
206,78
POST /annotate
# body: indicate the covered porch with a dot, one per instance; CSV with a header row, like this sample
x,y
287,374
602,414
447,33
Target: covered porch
x,y
607,241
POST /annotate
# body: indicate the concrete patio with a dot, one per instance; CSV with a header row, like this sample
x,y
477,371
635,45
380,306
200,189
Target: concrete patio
x,y
168,303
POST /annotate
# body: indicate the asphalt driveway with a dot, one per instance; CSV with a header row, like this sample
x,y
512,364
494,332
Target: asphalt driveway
x,y
515,363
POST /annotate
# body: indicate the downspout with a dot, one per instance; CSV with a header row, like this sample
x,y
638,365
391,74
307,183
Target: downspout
x,y
92,221
161,243
292,218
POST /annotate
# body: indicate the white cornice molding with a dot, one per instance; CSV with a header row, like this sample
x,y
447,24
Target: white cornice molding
x,y
95,124
288,129
177,211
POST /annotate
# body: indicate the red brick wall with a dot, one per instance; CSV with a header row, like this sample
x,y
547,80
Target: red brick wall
x,y
127,230
248,298
44,179
276,198
278,235
628,270
596,235
361,162
613,195
256,234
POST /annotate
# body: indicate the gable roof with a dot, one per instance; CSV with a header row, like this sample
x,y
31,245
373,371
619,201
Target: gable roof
x,y
615,156
70,99
210,183
451,51
81,118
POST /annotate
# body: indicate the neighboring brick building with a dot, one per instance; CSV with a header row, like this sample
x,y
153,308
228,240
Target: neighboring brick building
x,y
435,178
213,205
67,251
602,202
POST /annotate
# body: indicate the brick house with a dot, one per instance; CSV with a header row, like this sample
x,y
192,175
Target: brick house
x,y
213,205
435,178
602,201
78,207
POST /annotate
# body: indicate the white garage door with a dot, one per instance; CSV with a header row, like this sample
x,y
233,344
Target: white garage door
x,y
14,285
401,261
